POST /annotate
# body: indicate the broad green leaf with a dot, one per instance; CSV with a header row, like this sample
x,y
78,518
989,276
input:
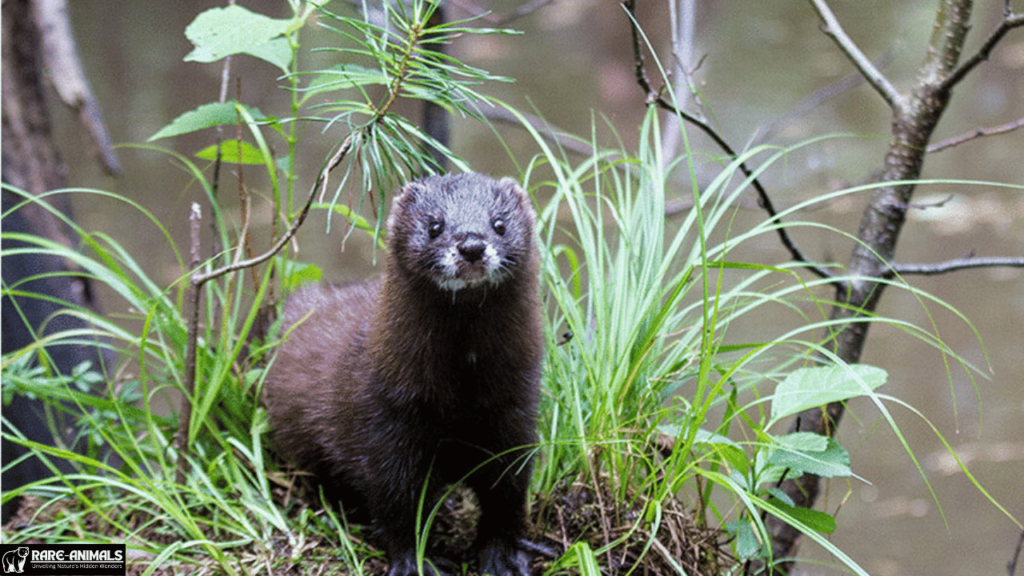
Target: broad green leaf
x,y
779,494
229,153
811,387
747,544
220,32
811,453
205,116
815,519
803,441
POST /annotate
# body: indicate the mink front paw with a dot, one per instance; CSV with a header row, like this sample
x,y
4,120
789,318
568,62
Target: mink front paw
x,y
501,558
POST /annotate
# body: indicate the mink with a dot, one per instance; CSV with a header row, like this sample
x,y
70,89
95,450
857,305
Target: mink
x,y
427,376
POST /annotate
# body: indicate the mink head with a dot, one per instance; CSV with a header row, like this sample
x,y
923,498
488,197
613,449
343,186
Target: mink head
x,y
461,231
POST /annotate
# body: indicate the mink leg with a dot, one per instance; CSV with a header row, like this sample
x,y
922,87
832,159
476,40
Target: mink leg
x,y
395,498
501,488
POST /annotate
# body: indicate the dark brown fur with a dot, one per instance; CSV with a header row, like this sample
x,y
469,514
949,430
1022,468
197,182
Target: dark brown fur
x,y
381,384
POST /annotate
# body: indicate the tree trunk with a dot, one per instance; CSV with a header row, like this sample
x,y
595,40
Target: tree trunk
x,y
32,163
915,116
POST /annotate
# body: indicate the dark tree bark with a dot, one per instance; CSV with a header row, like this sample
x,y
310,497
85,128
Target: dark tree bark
x,y
436,119
32,163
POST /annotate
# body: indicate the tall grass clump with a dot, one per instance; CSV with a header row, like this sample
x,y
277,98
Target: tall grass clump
x,y
651,402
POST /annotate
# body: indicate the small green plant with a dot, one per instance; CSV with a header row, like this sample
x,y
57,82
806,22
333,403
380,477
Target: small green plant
x,y
200,478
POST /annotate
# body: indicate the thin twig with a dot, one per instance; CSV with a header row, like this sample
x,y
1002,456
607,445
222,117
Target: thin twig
x,y
60,57
867,68
974,134
321,184
654,97
244,239
957,264
185,415
1010,21
1011,567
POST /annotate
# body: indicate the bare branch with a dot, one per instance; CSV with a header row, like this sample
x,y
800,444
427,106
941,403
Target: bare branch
x,y
873,75
1010,21
654,97
60,54
975,134
682,16
957,264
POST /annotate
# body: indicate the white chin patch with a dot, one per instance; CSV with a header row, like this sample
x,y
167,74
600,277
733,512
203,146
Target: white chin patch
x,y
453,272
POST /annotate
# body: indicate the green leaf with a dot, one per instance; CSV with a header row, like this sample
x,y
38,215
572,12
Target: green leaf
x,y
811,387
299,274
357,221
230,153
205,116
220,32
812,453
815,519
779,494
747,544
803,441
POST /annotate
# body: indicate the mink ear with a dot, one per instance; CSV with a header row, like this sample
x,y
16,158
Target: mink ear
x,y
408,195
510,188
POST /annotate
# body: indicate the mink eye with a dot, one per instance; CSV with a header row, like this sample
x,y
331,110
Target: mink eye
x,y
435,228
499,226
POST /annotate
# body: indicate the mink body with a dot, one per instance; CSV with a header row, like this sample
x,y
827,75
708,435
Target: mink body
x,y
431,371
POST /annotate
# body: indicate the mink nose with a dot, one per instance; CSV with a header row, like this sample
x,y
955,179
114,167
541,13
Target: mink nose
x,y
472,249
